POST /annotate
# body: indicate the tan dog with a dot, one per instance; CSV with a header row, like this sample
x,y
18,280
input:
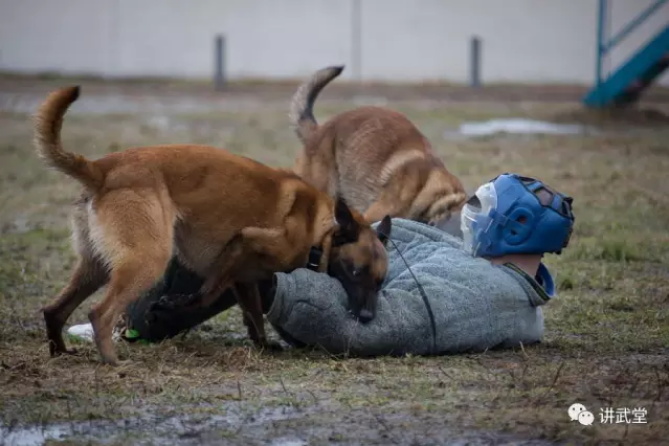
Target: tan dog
x,y
230,219
372,157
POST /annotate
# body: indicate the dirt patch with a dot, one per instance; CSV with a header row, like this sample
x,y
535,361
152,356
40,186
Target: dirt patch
x,y
607,332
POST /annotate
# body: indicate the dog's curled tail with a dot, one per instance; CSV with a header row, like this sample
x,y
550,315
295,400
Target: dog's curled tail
x,y
301,106
48,123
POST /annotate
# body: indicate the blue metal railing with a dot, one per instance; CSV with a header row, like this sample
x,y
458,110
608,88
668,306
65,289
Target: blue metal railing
x,y
602,28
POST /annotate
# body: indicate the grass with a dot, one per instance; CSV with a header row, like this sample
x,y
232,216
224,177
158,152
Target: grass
x,y
607,332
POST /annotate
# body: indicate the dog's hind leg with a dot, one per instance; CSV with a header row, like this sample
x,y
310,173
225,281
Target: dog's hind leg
x,y
133,274
89,275
136,232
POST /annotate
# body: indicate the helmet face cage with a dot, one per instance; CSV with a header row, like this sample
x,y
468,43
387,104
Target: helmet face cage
x,y
476,216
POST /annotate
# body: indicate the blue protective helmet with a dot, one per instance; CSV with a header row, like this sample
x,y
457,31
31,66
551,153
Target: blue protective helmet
x,y
513,214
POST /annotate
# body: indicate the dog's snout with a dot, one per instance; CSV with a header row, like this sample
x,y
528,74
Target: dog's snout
x,y
365,316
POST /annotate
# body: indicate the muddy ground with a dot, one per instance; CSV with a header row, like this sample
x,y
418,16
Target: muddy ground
x,y
607,332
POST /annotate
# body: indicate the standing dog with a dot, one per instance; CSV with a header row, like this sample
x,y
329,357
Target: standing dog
x,y
374,158
230,219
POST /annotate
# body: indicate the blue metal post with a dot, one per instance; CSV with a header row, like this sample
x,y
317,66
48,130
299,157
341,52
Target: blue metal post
x,y
219,55
600,43
604,83
636,21
475,62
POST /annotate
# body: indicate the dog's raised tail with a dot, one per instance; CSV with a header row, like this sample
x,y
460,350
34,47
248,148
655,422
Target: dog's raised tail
x,y
48,123
301,114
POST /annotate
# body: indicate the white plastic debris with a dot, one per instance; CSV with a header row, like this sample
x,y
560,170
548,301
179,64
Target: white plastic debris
x,y
85,332
518,126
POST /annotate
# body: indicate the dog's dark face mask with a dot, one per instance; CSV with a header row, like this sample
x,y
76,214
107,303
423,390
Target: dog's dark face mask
x,y
358,260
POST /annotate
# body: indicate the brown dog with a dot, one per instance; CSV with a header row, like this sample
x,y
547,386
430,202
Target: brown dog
x,y
374,158
230,219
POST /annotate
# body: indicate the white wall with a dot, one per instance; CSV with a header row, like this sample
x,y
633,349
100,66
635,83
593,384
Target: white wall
x,y
401,40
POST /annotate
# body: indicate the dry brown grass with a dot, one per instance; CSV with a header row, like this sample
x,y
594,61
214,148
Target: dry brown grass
x,y
607,333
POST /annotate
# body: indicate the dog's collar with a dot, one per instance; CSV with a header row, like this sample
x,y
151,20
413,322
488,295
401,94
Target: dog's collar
x,y
315,256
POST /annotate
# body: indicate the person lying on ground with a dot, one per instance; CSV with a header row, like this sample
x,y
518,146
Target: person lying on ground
x,y
480,287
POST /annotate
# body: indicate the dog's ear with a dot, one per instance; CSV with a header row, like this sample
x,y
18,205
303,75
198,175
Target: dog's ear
x,y
383,229
348,228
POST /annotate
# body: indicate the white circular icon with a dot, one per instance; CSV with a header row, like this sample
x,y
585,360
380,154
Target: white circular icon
x,y
574,410
586,418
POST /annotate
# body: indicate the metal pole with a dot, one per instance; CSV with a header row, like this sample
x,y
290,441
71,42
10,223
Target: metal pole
x,y
475,62
219,55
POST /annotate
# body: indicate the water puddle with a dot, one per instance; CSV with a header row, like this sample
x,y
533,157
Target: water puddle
x,y
275,426
288,442
176,429
517,126
29,436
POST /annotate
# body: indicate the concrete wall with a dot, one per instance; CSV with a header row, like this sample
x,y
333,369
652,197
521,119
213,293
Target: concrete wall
x,y
537,41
